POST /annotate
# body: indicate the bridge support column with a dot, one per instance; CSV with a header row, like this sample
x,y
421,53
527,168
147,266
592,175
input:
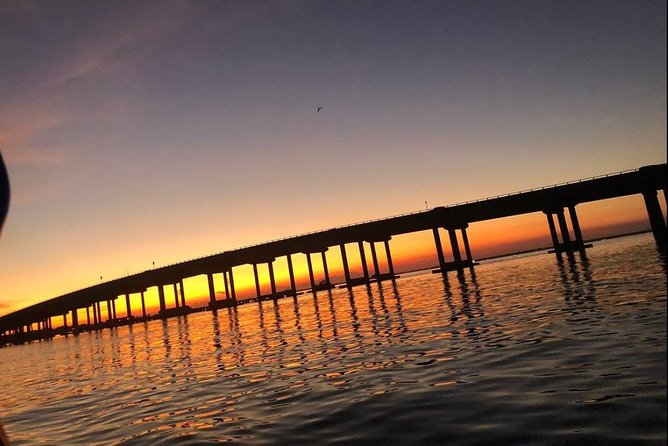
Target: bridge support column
x,y
439,250
232,289
655,216
325,269
227,286
388,254
467,247
258,291
577,232
161,298
212,290
128,310
365,268
272,279
309,263
553,231
374,259
457,256
183,293
64,320
88,315
344,260
291,273
563,227
176,296
143,305
75,318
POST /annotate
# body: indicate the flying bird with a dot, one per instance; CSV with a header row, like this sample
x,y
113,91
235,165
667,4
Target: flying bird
x,y
318,110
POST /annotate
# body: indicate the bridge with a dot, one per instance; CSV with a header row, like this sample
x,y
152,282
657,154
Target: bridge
x,y
555,201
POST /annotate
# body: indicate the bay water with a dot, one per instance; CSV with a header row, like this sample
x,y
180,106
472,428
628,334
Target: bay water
x,y
530,350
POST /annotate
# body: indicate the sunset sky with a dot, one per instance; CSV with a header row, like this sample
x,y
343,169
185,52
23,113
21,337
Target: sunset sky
x,y
141,132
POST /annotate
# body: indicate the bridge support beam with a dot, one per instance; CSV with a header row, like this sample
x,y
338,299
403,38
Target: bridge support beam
x,y
227,286
454,244
232,289
143,305
563,227
655,216
566,245
344,260
467,246
161,298
324,267
212,290
374,260
272,279
388,255
258,291
75,318
88,315
365,268
577,232
439,249
291,273
128,310
176,296
183,293
311,277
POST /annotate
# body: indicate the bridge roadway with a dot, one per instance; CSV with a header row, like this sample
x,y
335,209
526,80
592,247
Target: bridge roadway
x,y
34,322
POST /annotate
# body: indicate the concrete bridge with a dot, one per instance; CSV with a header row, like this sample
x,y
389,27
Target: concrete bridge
x,y
34,322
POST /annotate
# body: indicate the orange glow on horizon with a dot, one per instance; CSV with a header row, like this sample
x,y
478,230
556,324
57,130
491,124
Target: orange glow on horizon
x,y
409,252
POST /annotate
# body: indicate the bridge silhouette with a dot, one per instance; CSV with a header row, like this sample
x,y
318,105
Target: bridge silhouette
x,y
35,322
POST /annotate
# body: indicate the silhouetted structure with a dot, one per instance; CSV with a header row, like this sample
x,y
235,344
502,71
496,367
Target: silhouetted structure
x,y
34,322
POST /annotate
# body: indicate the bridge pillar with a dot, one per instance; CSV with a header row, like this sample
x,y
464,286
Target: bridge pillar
x,y
233,291
95,320
563,227
374,259
439,250
258,291
75,318
579,240
365,268
324,267
467,247
344,260
227,286
161,298
143,305
183,293
291,272
128,310
553,230
64,320
309,263
212,289
388,254
176,296
88,315
272,279
457,256
655,215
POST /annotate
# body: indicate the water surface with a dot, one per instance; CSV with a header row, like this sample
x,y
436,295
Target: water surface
x,y
527,350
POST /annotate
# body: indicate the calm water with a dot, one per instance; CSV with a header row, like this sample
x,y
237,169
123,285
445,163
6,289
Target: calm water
x,y
525,351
